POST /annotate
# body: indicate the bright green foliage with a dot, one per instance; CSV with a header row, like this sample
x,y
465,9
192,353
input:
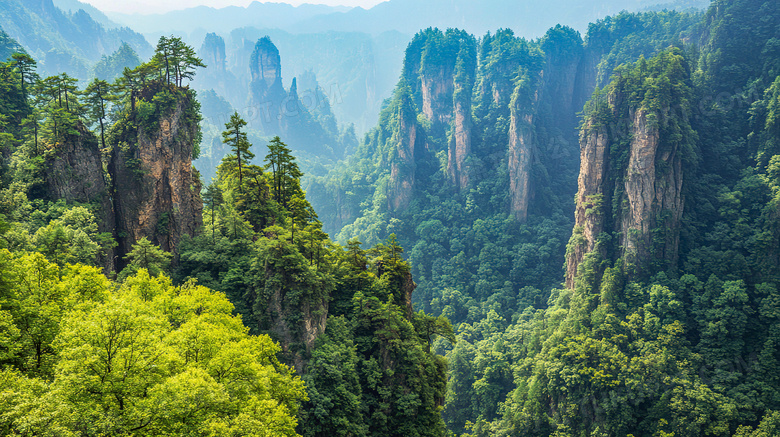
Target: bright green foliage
x,y
343,316
148,359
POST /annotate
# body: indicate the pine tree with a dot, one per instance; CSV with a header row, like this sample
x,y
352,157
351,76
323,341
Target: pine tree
x,y
25,66
286,174
235,138
97,96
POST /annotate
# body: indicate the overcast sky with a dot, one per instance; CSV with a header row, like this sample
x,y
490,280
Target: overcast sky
x,y
157,6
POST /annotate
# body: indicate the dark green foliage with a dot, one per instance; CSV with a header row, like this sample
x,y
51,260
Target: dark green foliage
x,y
147,256
371,372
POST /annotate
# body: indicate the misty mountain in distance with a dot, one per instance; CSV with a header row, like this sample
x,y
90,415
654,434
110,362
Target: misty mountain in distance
x,y
527,18
73,6
63,41
222,20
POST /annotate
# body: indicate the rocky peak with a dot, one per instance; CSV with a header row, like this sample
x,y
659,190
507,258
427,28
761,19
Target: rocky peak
x,y
440,68
75,174
403,167
265,65
631,180
213,53
156,189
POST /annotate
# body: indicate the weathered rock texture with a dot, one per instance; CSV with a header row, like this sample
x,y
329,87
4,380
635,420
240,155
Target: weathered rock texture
x,y
403,167
521,154
156,190
636,195
75,174
266,93
439,68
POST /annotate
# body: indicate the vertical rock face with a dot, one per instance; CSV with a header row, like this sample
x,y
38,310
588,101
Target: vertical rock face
x,y
521,153
296,324
654,195
213,54
75,174
438,86
440,69
156,190
402,171
631,178
543,108
267,92
588,216
460,144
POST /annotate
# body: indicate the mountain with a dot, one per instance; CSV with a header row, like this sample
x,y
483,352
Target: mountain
x,y
474,163
8,46
356,71
73,6
526,18
61,41
223,20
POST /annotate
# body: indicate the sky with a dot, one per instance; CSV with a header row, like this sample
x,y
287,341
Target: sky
x,y
160,6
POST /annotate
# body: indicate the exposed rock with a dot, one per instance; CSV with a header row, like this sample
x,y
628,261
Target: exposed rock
x,y
156,190
460,144
312,322
75,174
640,200
521,154
402,171
589,217
654,196
437,87
267,95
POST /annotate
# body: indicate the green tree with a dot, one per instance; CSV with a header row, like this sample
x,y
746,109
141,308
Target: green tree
x,y
98,95
213,199
235,138
25,66
147,256
285,172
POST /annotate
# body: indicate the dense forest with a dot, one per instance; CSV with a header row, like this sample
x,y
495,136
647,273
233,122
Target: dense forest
x,y
435,277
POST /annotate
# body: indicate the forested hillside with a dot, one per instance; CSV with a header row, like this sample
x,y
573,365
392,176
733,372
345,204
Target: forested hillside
x,y
574,235
62,41
101,207
657,322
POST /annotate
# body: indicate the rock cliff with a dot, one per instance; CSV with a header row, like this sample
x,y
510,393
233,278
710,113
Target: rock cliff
x,y
403,167
213,54
156,190
266,93
630,187
75,174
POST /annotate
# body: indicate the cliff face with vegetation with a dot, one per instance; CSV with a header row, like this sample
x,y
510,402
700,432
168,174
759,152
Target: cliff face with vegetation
x,y
156,190
75,172
633,146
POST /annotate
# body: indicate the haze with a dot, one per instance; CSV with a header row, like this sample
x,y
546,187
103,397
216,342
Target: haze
x,y
155,7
